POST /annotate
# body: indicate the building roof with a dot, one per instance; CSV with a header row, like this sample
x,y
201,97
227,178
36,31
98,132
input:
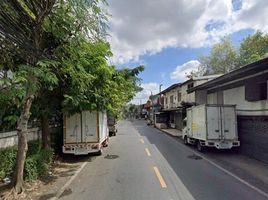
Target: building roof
x,y
208,77
170,88
258,67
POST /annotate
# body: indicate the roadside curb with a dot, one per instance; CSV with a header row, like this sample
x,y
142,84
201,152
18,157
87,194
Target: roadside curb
x,y
166,132
61,190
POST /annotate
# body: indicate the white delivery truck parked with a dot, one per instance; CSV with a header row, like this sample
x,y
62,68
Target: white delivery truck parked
x,y
211,126
85,132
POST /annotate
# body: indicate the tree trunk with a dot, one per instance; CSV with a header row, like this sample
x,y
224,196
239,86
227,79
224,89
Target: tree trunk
x,y
45,133
22,142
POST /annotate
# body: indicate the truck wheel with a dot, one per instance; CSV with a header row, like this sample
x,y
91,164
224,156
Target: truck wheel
x,y
99,153
185,140
200,148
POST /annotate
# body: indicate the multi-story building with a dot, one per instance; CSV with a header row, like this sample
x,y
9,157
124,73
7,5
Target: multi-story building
x,y
247,89
176,100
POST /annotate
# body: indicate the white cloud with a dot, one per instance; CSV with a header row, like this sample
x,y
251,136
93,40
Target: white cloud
x,y
146,27
148,89
185,69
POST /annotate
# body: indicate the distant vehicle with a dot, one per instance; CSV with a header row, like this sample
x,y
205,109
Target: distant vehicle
x,y
112,125
211,126
85,132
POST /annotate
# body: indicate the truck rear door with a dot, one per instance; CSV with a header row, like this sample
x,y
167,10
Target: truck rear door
x,y
228,122
213,123
189,122
72,129
89,126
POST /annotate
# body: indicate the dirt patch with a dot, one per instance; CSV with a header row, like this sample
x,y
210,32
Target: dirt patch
x,y
47,186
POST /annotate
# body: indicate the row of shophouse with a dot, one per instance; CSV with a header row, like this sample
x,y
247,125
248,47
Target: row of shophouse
x,y
245,87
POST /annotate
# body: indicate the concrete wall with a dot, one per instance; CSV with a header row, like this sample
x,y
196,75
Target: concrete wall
x,y
8,139
190,98
236,96
173,92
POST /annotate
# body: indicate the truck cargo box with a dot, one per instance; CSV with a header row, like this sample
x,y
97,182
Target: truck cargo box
x,y
212,125
85,132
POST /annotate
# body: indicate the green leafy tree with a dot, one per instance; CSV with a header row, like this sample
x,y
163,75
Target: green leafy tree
x,y
253,48
57,55
222,58
21,23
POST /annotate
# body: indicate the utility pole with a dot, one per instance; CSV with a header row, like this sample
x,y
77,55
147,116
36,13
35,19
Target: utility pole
x,y
160,87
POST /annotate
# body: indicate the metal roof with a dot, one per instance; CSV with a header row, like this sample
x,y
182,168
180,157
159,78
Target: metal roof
x,y
238,74
170,88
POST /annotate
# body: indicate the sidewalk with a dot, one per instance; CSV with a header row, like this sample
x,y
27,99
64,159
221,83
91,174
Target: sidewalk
x,y
173,132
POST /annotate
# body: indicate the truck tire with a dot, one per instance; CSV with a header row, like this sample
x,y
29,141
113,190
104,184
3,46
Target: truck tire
x,y
200,148
185,140
99,153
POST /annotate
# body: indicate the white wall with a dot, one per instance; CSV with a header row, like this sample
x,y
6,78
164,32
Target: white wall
x,y
8,139
173,92
237,96
212,98
191,96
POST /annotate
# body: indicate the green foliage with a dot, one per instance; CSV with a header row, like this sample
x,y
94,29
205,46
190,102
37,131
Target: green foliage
x,y
37,162
222,58
8,161
253,48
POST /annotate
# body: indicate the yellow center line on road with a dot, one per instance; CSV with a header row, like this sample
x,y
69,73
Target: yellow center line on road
x,y
142,141
148,152
160,178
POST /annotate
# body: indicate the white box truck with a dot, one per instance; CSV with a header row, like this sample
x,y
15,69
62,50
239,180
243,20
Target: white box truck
x,y
85,132
211,126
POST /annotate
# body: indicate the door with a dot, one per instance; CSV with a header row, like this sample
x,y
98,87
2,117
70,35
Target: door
x,y
89,126
213,122
73,128
229,130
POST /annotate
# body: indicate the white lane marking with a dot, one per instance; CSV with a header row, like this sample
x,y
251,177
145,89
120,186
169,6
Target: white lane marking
x,y
142,141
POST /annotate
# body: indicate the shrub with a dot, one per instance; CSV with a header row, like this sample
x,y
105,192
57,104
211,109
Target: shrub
x,y
36,164
30,169
8,161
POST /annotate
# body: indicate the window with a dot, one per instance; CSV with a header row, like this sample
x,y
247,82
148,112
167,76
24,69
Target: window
x,y
256,91
171,99
179,96
190,85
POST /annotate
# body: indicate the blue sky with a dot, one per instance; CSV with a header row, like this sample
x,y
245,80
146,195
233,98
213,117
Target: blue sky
x,y
168,37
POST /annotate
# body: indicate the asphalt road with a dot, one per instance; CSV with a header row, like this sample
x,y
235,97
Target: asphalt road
x,y
142,163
